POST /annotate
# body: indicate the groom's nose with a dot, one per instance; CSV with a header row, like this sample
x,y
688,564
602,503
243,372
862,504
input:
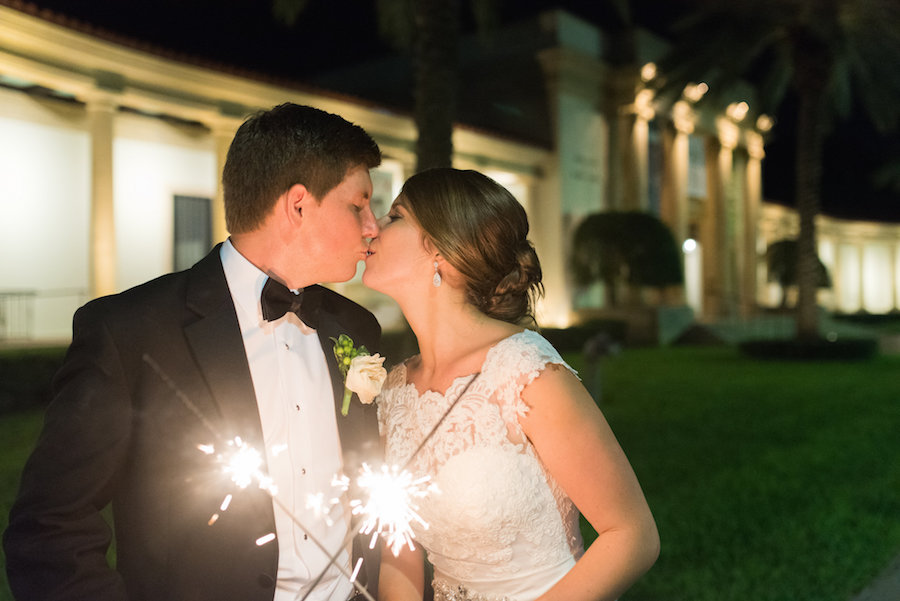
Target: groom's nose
x,y
370,226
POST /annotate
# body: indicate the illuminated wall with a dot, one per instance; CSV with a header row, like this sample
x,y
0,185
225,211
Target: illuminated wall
x,y
152,163
97,139
44,202
861,257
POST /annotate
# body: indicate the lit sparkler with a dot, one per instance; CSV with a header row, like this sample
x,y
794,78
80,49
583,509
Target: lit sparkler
x,y
388,511
390,507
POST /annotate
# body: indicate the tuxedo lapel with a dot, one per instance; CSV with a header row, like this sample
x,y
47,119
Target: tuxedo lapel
x,y
358,429
330,328
218,347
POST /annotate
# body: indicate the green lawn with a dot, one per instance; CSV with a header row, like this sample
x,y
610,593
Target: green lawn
x,y
769,481
18,431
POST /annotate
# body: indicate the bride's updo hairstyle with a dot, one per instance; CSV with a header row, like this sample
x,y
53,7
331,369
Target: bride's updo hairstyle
x,y
481,230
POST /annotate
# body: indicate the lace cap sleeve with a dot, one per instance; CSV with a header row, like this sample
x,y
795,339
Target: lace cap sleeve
x,y
396,379
518,360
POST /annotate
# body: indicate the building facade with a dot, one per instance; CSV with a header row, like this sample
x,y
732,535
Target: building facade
x,y
110,160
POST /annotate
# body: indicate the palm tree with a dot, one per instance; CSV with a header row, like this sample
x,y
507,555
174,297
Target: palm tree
x,y
835,56
431,29
781,263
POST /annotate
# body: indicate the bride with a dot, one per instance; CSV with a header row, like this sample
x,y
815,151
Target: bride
x,y
488,409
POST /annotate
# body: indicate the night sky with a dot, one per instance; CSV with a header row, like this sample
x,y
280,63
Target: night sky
x,y
336,33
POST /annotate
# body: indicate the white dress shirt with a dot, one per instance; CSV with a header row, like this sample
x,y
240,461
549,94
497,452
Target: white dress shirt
x,y
299,425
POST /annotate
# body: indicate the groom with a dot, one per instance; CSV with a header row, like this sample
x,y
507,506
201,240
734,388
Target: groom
x,y
202,357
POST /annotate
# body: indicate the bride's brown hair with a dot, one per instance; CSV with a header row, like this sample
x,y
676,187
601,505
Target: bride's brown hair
x,y
482,230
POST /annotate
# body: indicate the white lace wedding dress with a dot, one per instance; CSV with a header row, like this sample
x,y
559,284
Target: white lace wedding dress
x,y
500,528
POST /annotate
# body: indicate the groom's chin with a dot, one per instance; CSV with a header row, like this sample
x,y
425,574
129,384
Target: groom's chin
x,y
347,274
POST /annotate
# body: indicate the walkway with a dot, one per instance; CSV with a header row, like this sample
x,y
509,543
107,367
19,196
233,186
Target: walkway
x,y
886,587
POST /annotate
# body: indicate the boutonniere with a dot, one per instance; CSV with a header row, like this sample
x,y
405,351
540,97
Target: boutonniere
x,y
363,372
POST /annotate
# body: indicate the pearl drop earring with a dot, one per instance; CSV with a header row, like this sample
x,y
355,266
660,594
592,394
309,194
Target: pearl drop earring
x,y
436,280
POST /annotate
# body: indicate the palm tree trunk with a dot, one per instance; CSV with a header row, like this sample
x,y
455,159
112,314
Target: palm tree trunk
x,y
437,77
810,140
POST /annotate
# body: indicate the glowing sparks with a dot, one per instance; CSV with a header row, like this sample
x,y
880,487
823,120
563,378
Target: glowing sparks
x,y
390,509
265,539
243,464
356,570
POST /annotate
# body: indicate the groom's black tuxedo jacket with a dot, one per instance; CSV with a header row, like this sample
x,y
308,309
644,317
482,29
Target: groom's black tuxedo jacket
x,y
118,432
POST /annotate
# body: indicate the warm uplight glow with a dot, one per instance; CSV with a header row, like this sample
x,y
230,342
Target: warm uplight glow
x,y
643,104
694,92
764,123
648,72
683,117
736,111
689,246
729,133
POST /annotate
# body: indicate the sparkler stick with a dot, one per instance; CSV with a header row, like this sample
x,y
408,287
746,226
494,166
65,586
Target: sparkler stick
x,y
352,530
241,477
373,520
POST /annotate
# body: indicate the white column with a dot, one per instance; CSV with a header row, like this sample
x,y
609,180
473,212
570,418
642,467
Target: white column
x,y
752,202
895,295
861,252
572,185
101,110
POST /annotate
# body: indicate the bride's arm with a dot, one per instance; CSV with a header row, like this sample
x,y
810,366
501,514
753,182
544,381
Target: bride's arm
x,y
577,446
401,578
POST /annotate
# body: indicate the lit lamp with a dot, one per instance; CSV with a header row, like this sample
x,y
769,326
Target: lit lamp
x,y
736,111
764,123
694,92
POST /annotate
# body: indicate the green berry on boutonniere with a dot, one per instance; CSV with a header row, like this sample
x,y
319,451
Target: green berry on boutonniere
x,y
363,372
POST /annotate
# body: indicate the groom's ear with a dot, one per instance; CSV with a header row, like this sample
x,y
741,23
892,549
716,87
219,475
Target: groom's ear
x,y
295,201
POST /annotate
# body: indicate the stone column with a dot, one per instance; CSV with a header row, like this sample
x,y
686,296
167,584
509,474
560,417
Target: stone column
x,y
101,108
861,251
836,280
725,266
573,184
752,203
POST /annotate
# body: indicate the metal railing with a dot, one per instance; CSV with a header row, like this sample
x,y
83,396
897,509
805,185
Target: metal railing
x,y
21,310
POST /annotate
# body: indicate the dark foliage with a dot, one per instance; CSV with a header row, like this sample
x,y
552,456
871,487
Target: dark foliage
x,y
573,338
629,246
845,349
25,377
781,263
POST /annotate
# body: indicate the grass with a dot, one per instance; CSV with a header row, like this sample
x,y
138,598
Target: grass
x,y
769,481
18,432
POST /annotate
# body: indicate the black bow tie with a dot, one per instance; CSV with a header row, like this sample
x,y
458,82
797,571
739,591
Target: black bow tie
x,y
277,300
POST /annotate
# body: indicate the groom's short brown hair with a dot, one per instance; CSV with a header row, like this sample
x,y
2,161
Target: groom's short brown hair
x,y
286,145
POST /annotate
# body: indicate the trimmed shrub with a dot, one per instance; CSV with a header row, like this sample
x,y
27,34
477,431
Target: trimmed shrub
x,y
842,349
25,376
573,338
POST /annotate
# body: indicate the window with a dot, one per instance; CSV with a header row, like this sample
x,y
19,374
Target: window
x,y
193,230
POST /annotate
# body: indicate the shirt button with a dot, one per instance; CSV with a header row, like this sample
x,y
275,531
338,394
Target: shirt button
x,y
287,346
303,471
305,537
297,407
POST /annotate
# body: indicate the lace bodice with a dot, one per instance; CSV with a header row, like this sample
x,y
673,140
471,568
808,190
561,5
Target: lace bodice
x,y
500,527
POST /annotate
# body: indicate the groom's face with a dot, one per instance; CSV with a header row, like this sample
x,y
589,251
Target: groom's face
x,y
340,226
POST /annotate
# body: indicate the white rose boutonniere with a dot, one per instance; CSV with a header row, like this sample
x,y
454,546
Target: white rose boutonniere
x,y
363,372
